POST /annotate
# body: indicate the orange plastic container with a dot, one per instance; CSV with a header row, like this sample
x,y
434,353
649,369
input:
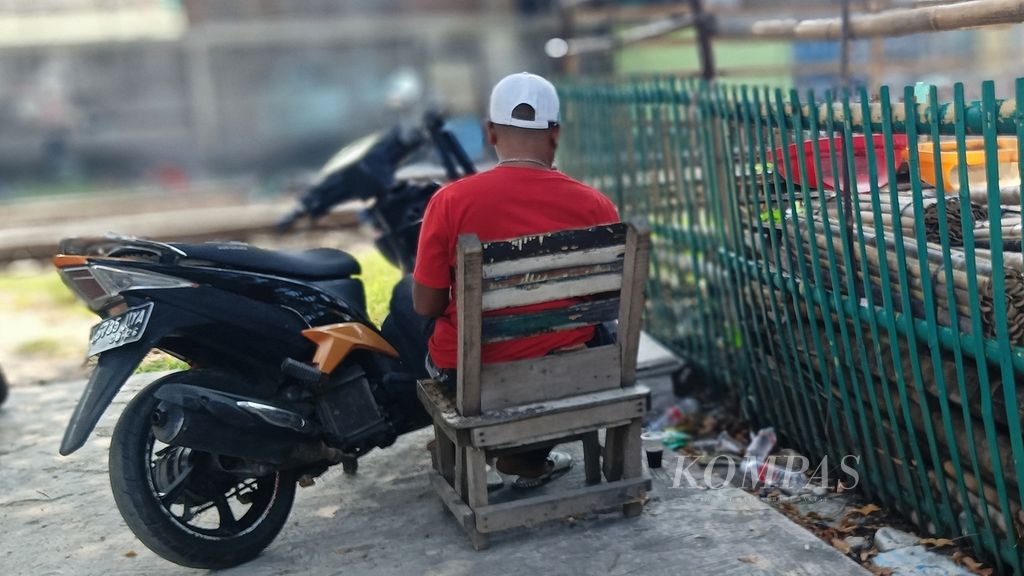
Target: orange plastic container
x,y
1009,171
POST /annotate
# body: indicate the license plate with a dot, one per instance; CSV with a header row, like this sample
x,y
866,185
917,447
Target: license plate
x,y
125,328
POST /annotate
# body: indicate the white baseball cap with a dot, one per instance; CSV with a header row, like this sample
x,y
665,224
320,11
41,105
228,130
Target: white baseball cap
x,y
524,88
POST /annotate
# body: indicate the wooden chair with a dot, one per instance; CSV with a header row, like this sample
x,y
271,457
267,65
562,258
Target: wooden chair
x,y
566,396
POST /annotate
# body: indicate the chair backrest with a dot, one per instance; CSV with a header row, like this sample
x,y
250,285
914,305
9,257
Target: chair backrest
x,y
605,266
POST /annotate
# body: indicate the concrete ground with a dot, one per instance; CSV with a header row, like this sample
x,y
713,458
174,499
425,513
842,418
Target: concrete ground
x,y
57,516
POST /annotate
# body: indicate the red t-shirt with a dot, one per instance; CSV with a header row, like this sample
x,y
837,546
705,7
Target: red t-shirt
x,y
499,204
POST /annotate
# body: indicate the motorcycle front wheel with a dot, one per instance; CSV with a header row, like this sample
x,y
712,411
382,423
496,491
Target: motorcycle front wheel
x,y
181,506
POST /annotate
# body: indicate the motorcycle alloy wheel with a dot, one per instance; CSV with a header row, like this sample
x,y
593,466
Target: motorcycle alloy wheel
x,y
183,507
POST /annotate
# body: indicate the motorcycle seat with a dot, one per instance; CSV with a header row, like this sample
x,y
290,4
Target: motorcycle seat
x,y
318,263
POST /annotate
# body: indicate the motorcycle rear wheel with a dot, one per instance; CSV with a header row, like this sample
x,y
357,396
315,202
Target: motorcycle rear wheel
x,y
3,387
180,506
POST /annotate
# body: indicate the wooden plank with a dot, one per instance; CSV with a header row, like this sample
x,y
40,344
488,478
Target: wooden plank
x,y
545,426
551,291
557,436
534,277
576,258
554,242
442,408
612,465
511,326
634,281
468,264
436,402
444,453
463,515
528,511
476,491
631,465
549,378
592,457
476,476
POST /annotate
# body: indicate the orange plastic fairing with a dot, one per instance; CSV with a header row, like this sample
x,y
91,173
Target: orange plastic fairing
x,y
64,261
336,341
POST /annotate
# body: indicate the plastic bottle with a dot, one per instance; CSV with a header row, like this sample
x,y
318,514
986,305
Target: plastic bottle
x,y
772,474
761,445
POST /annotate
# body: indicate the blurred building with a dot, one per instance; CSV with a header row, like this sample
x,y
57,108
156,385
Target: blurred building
x,y
128,87
939,58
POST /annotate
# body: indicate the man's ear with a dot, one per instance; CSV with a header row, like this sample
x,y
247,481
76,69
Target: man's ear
x,y
554,133
492,134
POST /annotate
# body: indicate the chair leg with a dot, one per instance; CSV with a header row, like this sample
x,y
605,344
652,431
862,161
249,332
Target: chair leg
x,y
592,457
631,462
444,455
631,457
613,457
632,509
475,468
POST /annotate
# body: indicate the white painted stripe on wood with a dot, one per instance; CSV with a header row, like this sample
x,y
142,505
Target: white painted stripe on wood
x,y
537,293
553,261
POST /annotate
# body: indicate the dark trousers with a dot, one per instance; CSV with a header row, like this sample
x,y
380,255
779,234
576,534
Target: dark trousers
x,y
409,332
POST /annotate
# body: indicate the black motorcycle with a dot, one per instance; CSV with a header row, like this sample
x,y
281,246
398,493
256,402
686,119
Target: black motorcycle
x,y
287,375
3,387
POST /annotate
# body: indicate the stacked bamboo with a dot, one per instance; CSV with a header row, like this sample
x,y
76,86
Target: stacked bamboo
x,y
978,495
903,213
932,271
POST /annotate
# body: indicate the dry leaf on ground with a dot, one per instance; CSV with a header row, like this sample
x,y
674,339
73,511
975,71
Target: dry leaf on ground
x,y
841,545
865,510
936,542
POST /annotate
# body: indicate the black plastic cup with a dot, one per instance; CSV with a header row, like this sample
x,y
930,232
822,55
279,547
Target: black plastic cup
x,y
654,457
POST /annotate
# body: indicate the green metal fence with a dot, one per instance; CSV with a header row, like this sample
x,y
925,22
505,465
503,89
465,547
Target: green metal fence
x,y
801,256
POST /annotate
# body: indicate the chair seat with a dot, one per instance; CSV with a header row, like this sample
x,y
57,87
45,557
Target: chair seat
x,y
534,422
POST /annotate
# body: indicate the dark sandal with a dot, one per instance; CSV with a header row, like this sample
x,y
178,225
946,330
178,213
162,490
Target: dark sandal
x,y
560,464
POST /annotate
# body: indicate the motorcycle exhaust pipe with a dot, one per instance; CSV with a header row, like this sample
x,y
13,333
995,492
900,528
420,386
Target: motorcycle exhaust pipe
x,y
176,426
212,422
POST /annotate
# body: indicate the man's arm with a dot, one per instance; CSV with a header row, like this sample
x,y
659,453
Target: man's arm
x,y
429,302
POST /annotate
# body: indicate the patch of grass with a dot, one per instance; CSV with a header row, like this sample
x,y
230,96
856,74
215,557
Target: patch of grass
x,y
40,347
40,290
158,362
379,278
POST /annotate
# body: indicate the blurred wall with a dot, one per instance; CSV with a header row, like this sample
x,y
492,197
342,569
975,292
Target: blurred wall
x,y
253,85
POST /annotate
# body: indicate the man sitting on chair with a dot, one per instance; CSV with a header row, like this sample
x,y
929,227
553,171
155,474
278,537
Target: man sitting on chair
x,y
522,195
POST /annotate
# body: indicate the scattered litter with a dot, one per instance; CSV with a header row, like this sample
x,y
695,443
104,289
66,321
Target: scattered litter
x,y
676,415
670,418
919,561
889,538
723,444
675,439
130,554
761,445
855,543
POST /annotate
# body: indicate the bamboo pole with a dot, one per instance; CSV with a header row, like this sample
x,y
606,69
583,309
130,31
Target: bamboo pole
x,y
890,23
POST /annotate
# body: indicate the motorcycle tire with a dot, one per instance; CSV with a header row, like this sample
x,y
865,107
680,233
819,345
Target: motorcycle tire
x,y
3,388
134,479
